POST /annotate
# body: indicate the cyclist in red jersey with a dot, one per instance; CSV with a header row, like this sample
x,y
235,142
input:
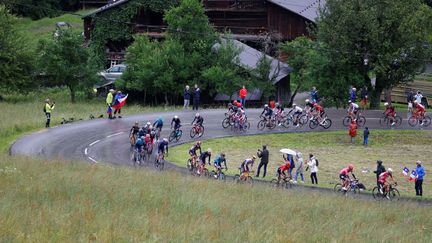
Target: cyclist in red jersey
x,y
382,180
285,167
390,112
419,108
344,176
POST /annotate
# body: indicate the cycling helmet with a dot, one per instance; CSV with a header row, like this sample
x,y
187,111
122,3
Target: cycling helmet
x,y
242,111
294,104
390,170
198,143
253,157
354,89
152,133
175,117
265,105
165,139
277,104
350,167
148,123
349,101
386,104
151,127
209,150
197,115
415,101
136,123
418,162
307,101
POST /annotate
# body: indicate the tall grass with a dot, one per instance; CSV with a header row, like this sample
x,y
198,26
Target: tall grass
x,y
396,149
63,201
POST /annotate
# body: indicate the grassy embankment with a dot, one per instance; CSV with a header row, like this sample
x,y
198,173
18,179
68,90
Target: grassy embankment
x,y
396,148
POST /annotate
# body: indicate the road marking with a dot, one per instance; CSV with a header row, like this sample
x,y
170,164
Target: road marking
x,y
95,142
115,134
86,151
90,158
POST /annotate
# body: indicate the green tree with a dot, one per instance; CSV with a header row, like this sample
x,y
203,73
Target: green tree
x,y
389,37
65,62
15,58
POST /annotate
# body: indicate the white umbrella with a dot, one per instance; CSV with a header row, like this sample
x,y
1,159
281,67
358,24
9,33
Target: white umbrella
x,y
288,151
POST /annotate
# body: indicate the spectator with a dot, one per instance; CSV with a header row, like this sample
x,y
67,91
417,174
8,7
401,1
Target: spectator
x,y
196,97
242,94
272,104
292,166
364,97
312,165
109,101
366,136
314,95
353,131
264,155
353,94
380,169
47,110
299,170
186,97
420,173
418,97
410,101
118,96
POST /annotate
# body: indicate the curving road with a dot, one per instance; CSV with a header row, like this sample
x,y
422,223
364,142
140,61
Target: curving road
x,y
104,140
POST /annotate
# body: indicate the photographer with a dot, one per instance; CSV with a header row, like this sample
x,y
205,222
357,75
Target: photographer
x,y
264,155
47,110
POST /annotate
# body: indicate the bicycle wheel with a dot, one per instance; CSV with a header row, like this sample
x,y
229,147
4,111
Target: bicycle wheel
x,y
361,121
180,133
189,165
226,123
303,119
288,184
412,121
426,121
384,121
201,131
346,121
327,123
192,132
393,194
246,126
286,122
275,183
338,188
222,176
205,172
249,180
272,124
376,193
172,136
355,189
261,125
398,121
213,175
236,178
313,124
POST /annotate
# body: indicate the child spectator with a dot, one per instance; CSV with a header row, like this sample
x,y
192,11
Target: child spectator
x,y
366,136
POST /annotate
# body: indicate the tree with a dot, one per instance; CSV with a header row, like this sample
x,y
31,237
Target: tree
x,y
388,37
16,60
65,62
37,9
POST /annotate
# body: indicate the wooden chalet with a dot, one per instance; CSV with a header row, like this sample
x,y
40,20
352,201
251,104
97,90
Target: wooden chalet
x,y
255,23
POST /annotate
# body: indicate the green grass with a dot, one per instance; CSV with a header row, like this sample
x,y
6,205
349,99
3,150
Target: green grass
x,y
61,201
35,30
334,152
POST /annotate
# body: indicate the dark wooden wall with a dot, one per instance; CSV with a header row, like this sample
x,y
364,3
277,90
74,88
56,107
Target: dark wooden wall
x,y
287,23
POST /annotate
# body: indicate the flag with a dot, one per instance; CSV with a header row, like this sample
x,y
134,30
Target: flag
x,y
405,171
413,176
119,102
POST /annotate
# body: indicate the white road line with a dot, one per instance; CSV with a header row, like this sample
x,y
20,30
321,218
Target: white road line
x,y
90,158
95,142
115,134
86,151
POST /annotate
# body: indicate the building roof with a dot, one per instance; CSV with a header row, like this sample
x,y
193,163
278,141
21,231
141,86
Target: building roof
x,y
308,9
106,7
250,57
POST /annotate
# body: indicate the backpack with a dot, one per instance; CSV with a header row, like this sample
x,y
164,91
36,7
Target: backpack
x,y
317,163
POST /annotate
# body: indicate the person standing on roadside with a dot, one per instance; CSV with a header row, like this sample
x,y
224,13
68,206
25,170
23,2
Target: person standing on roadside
x,y
353,131
314,94
186,97
410,101
242,94
264,155
196,97
109,101
312,166
380,169
353,94
299,170
418,97
420,173
118,96
49,106
366,136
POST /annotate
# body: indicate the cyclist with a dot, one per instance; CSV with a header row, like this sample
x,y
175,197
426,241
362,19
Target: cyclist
x,y
279,113
245,165
158,124
198,120
177,123
153,135
390,112
382,180
316,110
193,152
218,162
285,167
268,112
298,111
353,109
141,132
146,128
419,110
202,159
148,140
344,176
139,144
134,132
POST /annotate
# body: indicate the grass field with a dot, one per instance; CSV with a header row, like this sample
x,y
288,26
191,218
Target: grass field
x,y
63,201
396,149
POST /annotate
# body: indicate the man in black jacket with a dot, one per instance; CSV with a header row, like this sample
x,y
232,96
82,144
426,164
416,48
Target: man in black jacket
x,y
380,169
264,155
196,97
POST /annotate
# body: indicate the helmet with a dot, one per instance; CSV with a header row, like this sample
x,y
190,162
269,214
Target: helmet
x,y
386,104
136,123
151,127
198,143
47,100
389,170
351,167
197,115
349,101
152,133
418,162
209,150
175,117
165,139
294,104
277,104
253,157
354,89
148,123
265,105
307,101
